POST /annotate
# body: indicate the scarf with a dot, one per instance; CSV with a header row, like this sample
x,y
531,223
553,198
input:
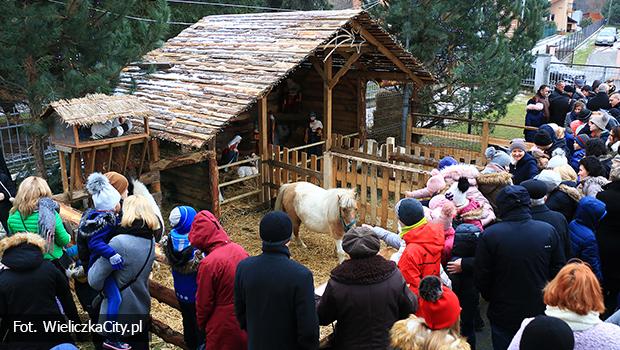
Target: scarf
x,y
47,222
575,321
405,229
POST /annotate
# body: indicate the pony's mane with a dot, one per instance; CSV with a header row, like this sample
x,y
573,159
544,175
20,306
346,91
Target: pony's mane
x,y
346,197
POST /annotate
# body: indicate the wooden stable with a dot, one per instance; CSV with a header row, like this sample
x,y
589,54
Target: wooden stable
x,y
223,75
126,154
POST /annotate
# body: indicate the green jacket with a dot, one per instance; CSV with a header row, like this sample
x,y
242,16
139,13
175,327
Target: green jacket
x,y
61,238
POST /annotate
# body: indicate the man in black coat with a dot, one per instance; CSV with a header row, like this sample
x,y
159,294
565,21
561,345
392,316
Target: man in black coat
x,y
559,104
614,102
515,259
608,239
29,287
564,199
274,295
538,193
600,100
365,295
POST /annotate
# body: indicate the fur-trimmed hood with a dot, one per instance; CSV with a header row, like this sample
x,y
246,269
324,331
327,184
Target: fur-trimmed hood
x,y
503,178
22,252
21,238
572,192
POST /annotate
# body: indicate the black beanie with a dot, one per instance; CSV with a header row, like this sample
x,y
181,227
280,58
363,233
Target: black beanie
x,y
276,227
544,332
409,211
542,138
360,242
536,188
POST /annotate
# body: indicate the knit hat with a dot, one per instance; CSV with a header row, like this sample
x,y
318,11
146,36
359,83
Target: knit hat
x,y
518,143
584,115
545,332
581,140
276,227
498,157
600,120
438,305
105,197
118,181
446,161
409,211
181,218
360,242
558,159
569,88
549,177
580,82
436,182
542,138
536,188
456,193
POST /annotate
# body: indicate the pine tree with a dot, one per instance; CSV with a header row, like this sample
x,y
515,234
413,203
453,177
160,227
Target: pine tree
x,y
68,48
611,11
479,50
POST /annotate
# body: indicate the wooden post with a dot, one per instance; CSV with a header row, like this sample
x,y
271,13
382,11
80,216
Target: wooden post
x,y
414,107
214,179
361,108
484,142
63,172
327,103
156,185
263,148
328,170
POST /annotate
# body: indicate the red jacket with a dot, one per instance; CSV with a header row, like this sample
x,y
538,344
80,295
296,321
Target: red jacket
x,y
422,255
215,310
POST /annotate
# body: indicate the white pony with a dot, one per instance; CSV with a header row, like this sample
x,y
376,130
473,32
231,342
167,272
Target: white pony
x,y
140,189
325,211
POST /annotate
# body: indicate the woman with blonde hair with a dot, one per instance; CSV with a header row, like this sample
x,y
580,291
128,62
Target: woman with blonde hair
x,y
566,172
575,296
436,325
35,212
134,241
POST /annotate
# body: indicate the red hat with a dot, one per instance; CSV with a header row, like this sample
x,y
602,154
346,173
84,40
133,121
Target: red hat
x,y
438,305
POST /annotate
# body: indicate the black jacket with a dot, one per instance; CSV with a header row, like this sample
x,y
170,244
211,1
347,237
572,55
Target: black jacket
x,y
598,102
525,169
365,296
608,236
28,291
465,242
274,301
515,258
564,199
5,204
559,106
558,221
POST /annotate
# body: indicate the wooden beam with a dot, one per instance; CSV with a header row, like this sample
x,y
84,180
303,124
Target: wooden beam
x,y
386,52
263,148
163,294
372,75
63,172
167,334
317,67
342,71
214,179
184,159
361,107
155,157
327,103
295,169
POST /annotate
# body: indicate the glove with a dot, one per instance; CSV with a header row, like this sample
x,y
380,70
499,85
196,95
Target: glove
x,y
117,262
72,251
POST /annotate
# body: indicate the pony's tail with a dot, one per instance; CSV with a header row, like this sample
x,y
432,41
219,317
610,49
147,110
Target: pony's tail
x,y
278,205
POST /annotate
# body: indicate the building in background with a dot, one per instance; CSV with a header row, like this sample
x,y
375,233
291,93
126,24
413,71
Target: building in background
x,y
560,12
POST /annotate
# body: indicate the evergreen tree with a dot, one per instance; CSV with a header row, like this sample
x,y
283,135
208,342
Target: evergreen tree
x,y
68,48
479,50
611,11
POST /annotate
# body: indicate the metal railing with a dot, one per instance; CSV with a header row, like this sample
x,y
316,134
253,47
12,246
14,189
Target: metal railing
x,y
566,47
530,78
569,72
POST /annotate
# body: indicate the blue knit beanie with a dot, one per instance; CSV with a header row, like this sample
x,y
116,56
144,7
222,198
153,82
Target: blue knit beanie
x,y
181,219
276,227
409,211
446,161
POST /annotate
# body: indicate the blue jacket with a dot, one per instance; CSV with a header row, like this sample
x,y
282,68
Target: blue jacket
x,y
525,169
533,118
180,253
589,213
576,157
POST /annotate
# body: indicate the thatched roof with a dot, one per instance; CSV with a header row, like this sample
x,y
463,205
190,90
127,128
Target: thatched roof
x,y
220,66
97,108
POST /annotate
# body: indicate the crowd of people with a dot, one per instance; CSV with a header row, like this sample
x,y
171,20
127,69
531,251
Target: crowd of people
x,y
535,234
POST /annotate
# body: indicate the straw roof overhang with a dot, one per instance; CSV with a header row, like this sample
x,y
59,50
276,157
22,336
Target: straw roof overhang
x,y
219,67
97,108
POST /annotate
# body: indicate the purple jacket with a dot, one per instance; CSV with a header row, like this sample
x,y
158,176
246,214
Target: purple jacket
x,y
602,336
